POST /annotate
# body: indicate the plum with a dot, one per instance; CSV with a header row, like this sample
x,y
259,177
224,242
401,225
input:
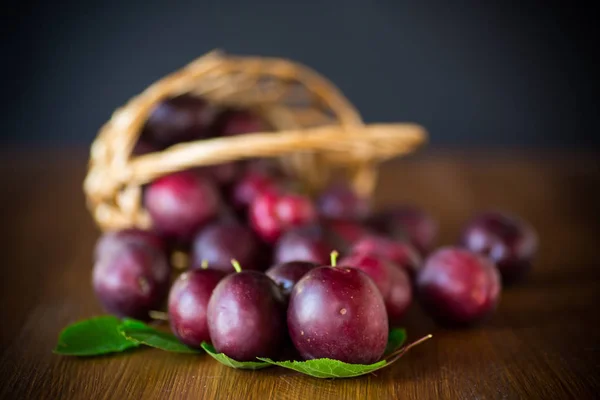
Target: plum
x,y
338,313
271,214
308,243
344,233
111,241
238,122
220,242
399,298
508,240
249,187
131,279
180,119
288,273
246,316
339,201
180,204
407,223
378,269
458,287
400,253
188,303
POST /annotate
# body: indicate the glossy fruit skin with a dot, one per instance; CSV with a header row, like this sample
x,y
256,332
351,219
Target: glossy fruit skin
x,y
458,287
180,204
239,122
341,202
400,253
407,223
286,274
252,184
112,241
509,241
400,296
180,119
271,214
246,316
308,243
378,268
220,242
338,313
344,233
188,303
131,280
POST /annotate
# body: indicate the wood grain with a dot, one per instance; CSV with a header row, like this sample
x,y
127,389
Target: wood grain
x,y
541,344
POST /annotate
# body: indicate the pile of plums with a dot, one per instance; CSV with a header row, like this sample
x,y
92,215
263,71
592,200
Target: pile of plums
x,y
263,272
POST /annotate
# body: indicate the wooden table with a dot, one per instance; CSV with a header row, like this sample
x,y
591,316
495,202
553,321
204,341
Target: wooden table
x,y
543,342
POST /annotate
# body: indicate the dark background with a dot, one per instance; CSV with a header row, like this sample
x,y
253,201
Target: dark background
x,y
476,74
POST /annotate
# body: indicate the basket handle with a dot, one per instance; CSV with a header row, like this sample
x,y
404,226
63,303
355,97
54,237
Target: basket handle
x,y
376,142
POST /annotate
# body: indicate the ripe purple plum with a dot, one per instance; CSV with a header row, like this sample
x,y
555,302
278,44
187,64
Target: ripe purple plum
x,y
111,241
407,223
400,296
271,214
252,184
286,274
338,313
188,303
378,268
458,287
220,242
508,240
339,201
400,253
246,316
131,279
180,204
180,119
308,243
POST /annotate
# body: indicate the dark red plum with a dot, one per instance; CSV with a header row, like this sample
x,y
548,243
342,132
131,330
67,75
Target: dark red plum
x,y
131,280
338,313
400,253
509,241
407,223
180,204
286,275
378,268
309,243
272,214
458,287
180,119
112,241
246,316
400,296
188,303
220,242
238,122
341,202
252,184
223,174
344,233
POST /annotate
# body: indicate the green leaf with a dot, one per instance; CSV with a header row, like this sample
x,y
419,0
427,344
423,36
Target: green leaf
x,y
141,333
327,368
93,337
230,362
396,338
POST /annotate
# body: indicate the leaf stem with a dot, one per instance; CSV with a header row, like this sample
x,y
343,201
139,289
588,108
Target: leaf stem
x,y
236,265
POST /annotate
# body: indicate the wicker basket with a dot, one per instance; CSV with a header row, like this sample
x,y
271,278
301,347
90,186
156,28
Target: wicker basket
x,y
318,132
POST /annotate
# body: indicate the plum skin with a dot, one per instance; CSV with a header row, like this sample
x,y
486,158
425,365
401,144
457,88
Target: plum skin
x,y
180,204
338,313
287,274
377,268
131,280
188,303
458,287
307,243
509,241
246,316
403,254
219,243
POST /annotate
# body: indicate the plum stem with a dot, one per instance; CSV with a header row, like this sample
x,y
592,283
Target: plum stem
x,y
204,264
236,265
334,256
158,315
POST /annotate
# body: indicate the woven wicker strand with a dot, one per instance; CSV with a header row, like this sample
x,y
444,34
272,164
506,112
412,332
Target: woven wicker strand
x,y
318,130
